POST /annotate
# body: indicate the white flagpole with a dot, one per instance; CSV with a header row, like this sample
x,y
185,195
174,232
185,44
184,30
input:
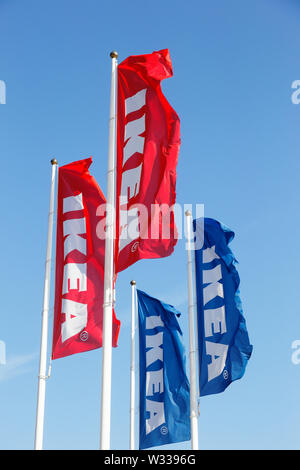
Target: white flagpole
x,y
132,366
109,268
192,348
39,428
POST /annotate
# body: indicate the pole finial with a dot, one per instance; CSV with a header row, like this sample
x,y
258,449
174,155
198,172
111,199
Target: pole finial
x,y
114,55
133,283
54,161
187,213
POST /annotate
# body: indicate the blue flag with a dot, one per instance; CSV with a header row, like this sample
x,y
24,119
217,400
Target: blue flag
x,y
224,347
164,386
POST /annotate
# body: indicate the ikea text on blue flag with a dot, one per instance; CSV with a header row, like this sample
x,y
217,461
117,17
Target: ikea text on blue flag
x,y
164,386
224,347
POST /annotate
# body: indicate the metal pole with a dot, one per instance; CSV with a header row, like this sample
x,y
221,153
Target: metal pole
x,y
109,269
193,383
132,366
39,428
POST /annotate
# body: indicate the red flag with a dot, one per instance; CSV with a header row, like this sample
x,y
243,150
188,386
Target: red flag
x,y
78,310
148,144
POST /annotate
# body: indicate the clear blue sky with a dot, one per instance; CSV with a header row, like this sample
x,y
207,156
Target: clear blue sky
x,y
234,63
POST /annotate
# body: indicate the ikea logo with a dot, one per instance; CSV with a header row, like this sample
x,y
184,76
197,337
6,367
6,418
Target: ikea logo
x,y
214,318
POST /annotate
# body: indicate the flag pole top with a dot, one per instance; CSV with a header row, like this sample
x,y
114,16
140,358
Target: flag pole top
x,y
54,161
187,213
133,283
114,55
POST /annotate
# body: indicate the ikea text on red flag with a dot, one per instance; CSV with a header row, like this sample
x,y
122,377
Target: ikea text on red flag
x,y
148,141
78,310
